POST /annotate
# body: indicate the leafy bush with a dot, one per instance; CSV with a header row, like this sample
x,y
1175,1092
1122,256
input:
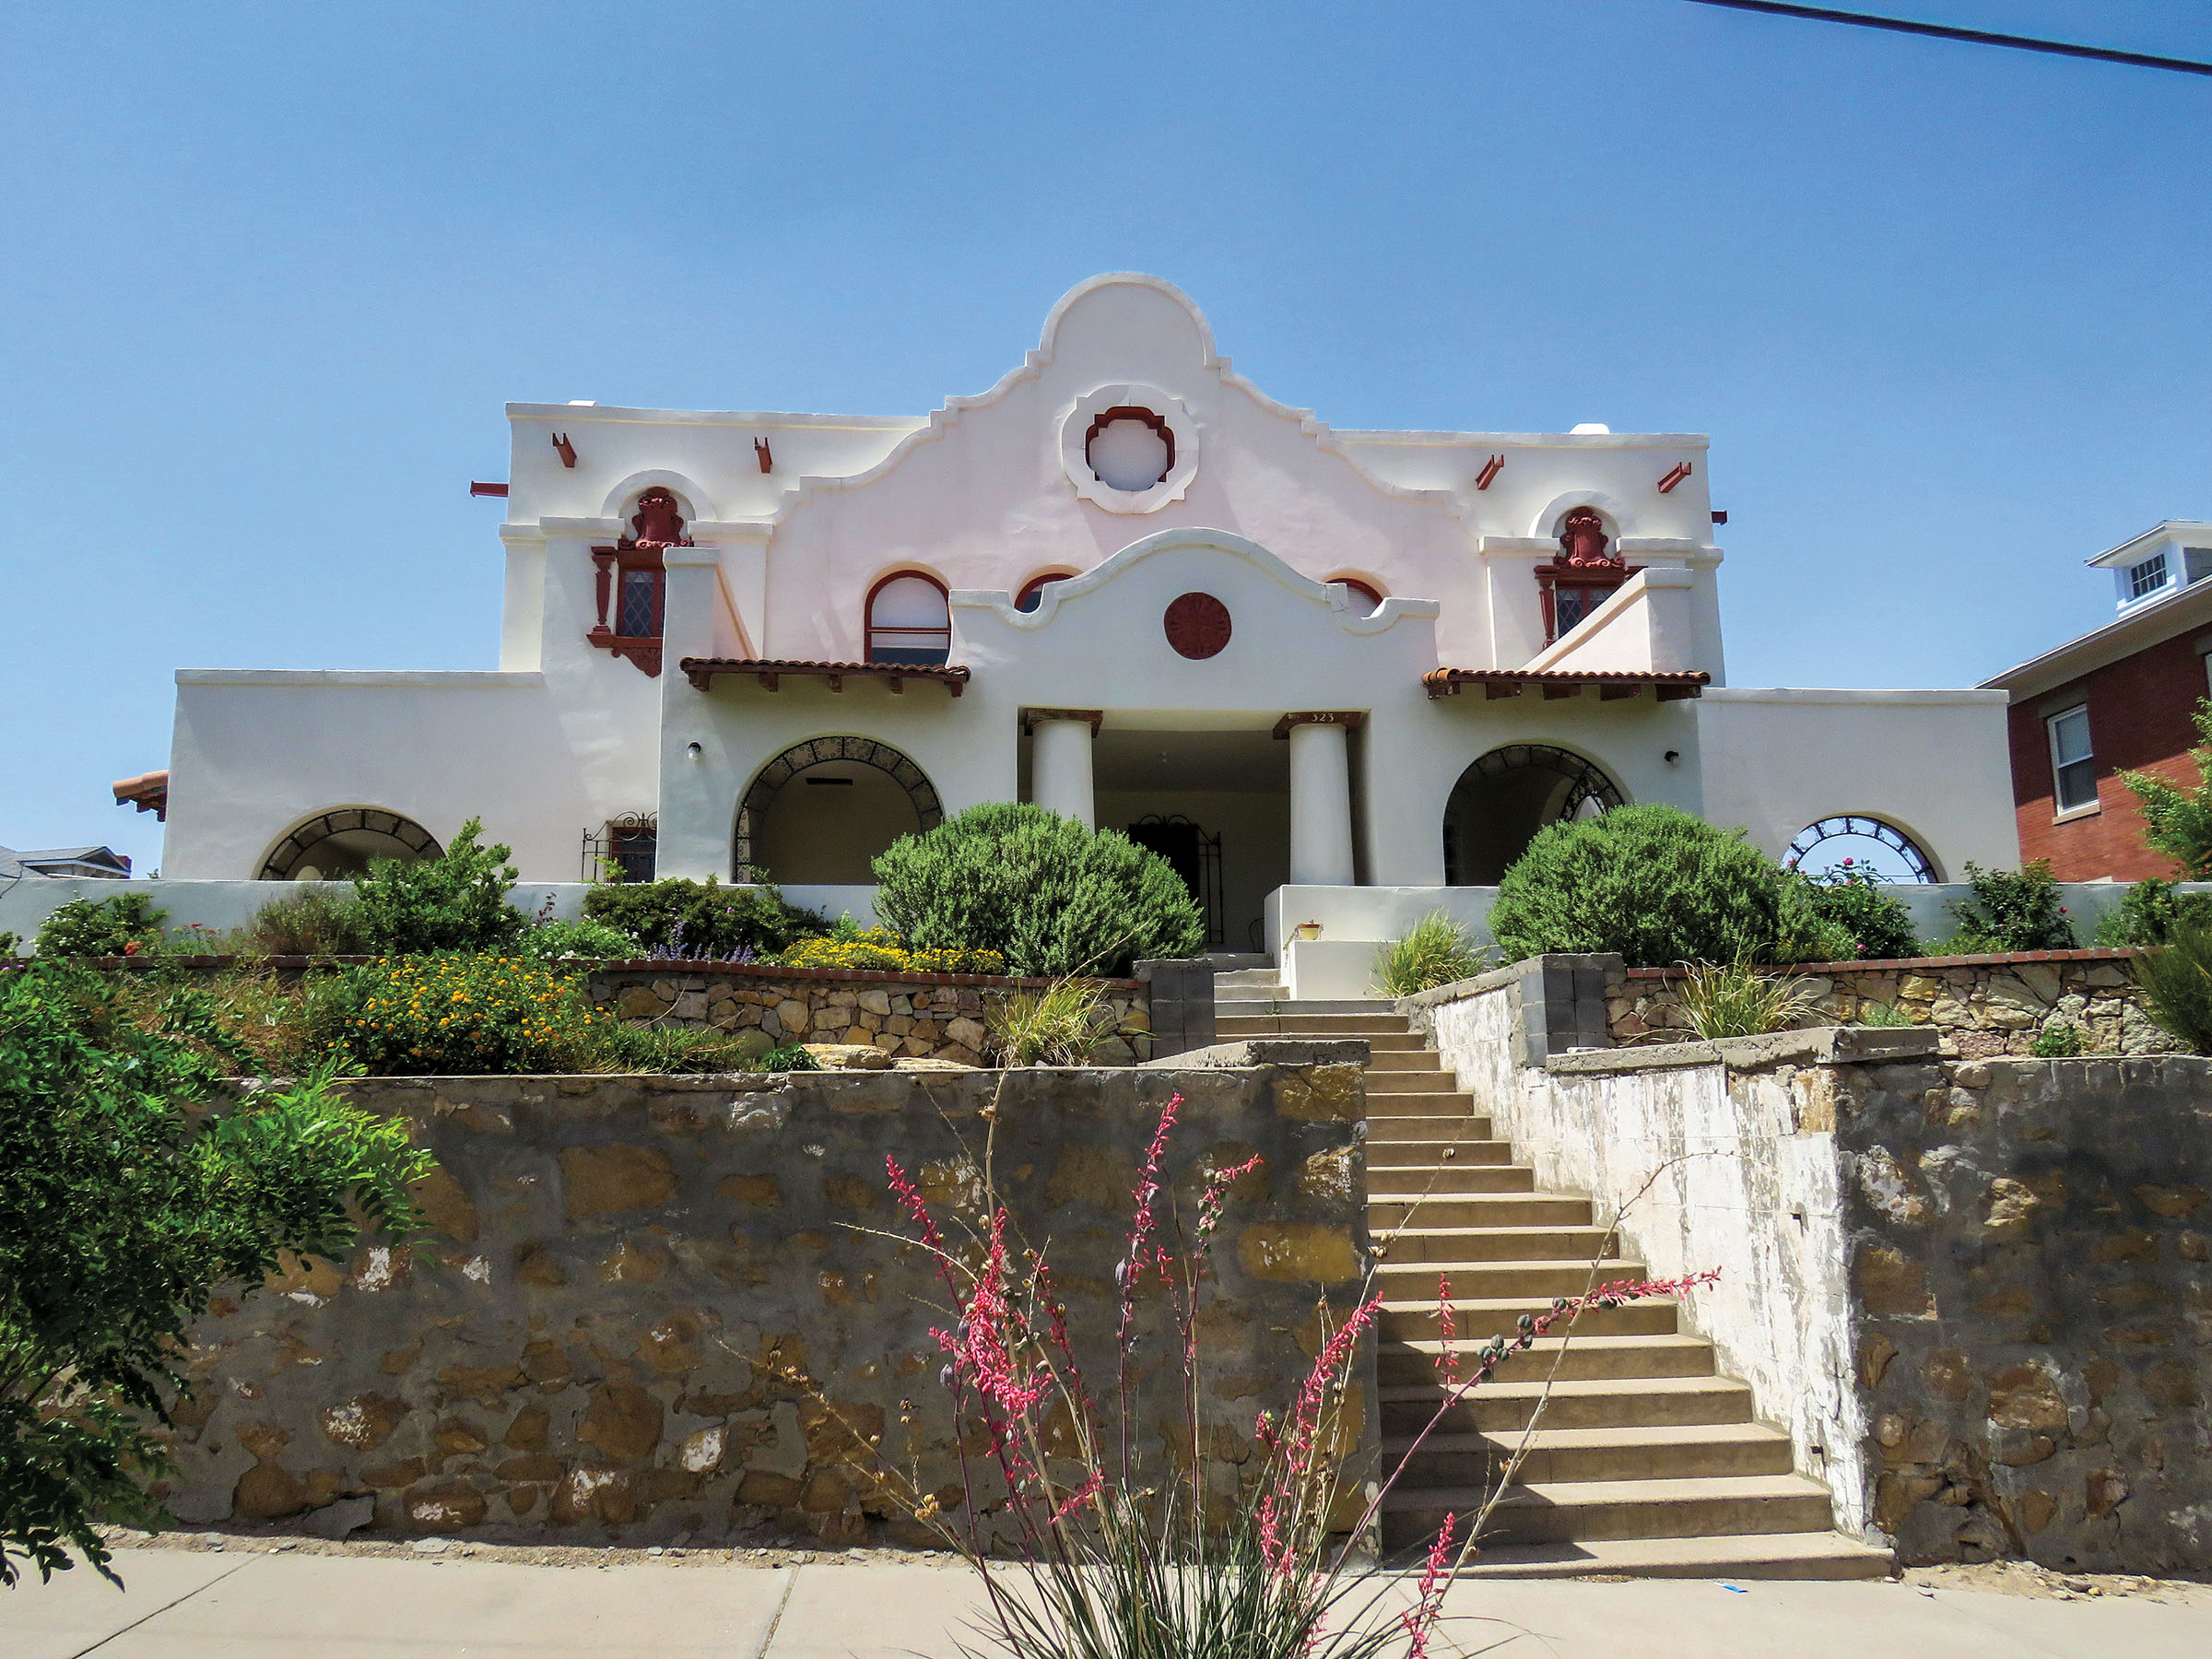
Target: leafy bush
x,y
2176,821
1880,927
2011,909
2177,981
1435,951
2149,912
1883,1016
790,1058
2060,1040
463,1013
124,926
1733,999
586,941
1658,886
700,920
120,1211
615,1045
456,901
1051,896
315,923
879,947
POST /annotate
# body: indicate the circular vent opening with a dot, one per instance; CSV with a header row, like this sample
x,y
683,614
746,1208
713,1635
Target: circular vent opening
x,y
1130,449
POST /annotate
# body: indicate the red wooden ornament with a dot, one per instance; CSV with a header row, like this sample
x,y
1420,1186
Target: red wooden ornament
x,y
1197,626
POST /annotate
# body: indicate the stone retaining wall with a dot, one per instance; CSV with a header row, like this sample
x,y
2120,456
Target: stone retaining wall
x,y
1983,1005
658,1308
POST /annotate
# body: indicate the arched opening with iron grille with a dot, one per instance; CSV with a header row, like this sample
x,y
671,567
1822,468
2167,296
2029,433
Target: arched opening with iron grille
x,y
1503,799
1854,842
820,813
344,842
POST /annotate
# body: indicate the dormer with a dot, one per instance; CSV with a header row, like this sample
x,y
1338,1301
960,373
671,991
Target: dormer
x,y
2159,562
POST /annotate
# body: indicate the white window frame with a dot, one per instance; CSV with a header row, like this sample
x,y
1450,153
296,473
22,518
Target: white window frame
x,y
2138,588
2059,763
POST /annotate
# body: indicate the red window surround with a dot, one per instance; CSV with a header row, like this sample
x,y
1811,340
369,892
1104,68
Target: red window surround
x,y
1362,589
917,640
632,590
1581,578
1026,600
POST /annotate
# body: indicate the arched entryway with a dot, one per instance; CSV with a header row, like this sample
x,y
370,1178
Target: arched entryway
x,y
1504,798
342,842
820,812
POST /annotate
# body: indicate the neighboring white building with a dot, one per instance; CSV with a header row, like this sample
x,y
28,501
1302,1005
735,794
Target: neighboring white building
x,y
1124,584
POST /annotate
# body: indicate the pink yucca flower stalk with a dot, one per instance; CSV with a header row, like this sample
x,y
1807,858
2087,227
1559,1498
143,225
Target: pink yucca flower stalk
x,y
1335,1354
1435,1580
1447,1358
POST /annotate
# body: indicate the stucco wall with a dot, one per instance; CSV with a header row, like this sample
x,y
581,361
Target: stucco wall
x,y
654,1308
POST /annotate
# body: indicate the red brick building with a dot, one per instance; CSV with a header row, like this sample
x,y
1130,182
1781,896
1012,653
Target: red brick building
x,y
2118,699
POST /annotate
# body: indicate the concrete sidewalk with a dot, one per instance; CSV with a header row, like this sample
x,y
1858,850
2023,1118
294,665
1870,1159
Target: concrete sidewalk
x,y
242,1605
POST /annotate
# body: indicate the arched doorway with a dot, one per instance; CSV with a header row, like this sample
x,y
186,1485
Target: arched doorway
x,y
1504,798
820,812
1855,841
340,843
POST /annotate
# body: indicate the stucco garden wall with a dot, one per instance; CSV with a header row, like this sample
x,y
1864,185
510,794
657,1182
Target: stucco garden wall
x,y
658,1307
1982,1005
1974,1291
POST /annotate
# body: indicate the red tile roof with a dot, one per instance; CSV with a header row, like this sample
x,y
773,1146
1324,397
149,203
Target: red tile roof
x,y
148,791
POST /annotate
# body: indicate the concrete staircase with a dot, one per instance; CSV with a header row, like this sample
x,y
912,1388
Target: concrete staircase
x,y
1646,1460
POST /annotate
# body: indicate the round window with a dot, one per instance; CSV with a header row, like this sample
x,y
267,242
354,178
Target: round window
x,y
1130,449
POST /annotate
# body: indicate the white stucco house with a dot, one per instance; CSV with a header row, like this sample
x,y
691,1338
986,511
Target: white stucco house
x,y
1342,670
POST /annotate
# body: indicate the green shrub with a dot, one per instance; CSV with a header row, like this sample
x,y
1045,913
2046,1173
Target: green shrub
x,y
1879,926
790,1058
1883,1017
2149,912
2009,910
2176,978
700,920
1049,896
462,1014
2059,1040
1658,886
586,941
127,924
315,923
121,1211
2177,821
1435,951
456,901
618,1046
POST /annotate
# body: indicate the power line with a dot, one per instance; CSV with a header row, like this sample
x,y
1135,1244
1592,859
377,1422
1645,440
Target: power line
x,y
1978,36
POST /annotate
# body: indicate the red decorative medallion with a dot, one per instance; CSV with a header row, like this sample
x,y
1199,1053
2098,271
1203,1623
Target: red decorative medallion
x,y
1197,625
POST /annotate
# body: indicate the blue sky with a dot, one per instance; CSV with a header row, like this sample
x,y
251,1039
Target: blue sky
x,y
273,270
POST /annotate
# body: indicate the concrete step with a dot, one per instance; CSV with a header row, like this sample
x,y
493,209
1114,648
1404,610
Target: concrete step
x,y
1394,1086
1441,1207
1807,1555
1467,1173
1442,1246
1403,1060
1475,1319
1506,1242
1565,1511
1498,1407
1686,1451
1448,1126
1246,1001
1538,1279
1239,961
1429,1154
1380,1038
1321,1025
1586,1359
1412,1174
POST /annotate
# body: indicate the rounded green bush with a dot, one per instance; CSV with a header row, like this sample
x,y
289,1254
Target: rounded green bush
x,y
1658,886
1048,895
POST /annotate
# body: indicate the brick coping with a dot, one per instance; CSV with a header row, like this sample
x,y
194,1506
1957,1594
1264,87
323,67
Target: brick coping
x,y
1884,964
767,970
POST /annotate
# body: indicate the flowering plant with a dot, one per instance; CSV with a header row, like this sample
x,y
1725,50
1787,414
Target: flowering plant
x,y
1118,1555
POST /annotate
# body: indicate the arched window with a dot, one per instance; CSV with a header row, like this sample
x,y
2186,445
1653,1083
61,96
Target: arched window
x,y
1361,591
909,620
1854,842
344,842
1504,798
821,812
1032,591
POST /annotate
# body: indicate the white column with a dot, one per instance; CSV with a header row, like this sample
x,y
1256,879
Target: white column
x,y
1321,806
1060,769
